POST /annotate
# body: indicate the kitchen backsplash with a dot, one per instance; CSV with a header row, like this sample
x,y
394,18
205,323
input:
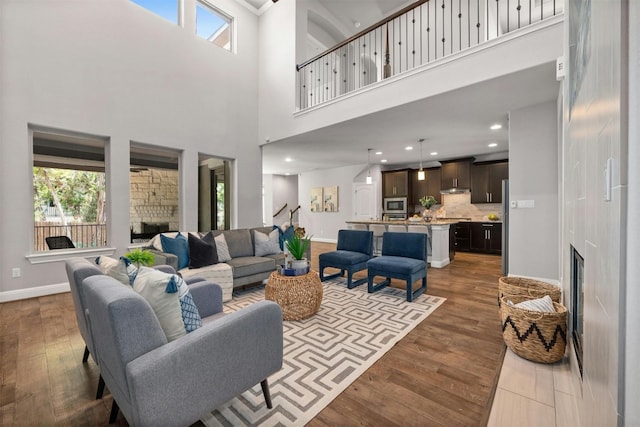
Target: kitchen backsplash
x,y
459,206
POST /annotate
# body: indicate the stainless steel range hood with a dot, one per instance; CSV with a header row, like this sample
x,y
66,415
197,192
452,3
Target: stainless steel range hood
x,y
454,190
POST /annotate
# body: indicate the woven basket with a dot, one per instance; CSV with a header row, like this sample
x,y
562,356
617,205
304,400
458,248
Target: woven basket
x,y
299,296
534,335
522,287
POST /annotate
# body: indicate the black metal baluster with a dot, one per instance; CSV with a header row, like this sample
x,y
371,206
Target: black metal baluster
x,y
508,13
530,11
428,32
497,17
443,29
518,9
420,31
459,25
345,69
451,26
413,31
311,84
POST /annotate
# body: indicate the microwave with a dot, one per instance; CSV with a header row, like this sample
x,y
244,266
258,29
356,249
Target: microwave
x,y
395,205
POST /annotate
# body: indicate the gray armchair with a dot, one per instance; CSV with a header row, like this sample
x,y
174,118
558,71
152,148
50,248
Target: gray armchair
x,y
79,269
155,382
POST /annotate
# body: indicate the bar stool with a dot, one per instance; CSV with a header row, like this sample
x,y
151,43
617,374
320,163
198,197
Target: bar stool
x,y
378,231
359,227
424,230
397,228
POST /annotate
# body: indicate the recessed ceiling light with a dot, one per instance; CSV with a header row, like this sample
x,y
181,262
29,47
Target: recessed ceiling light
x,y
493,144
378,153
287,173
288,159
383,161
496,126
435,153
408,148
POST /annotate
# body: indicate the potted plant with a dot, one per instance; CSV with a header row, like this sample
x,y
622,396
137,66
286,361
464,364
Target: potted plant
x,y
427,202
140,257
297,246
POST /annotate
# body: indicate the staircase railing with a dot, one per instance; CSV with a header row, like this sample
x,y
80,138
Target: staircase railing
x,y
422,32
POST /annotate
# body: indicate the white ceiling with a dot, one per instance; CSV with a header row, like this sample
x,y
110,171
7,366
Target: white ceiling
x,y
455,124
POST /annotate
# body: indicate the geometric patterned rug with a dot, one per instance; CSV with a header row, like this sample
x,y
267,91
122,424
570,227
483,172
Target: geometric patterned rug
x,y
325,353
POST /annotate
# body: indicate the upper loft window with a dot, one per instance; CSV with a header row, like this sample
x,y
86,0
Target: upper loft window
x,y
213,25
168,9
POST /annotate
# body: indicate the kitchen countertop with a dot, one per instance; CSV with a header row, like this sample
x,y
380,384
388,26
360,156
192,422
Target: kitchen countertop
x,y
406,222
438,221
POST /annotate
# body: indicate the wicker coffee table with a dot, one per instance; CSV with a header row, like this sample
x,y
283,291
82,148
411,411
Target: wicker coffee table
x,y
299,296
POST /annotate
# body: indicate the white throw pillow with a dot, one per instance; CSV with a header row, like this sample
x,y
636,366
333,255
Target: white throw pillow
x,y
152,285
266,244
120,269
541,304
223,248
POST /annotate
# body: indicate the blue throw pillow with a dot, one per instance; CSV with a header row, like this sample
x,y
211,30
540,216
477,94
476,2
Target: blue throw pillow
x,y
284,235
178,246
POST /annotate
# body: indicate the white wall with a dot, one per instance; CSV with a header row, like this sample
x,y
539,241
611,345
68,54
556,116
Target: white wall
x,y
533,175
632,338
324,226
597,228
113,69
285,191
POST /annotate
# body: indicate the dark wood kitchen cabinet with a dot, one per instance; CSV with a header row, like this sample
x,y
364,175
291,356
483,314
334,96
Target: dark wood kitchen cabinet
x,y
462,236
429,187
456,174
486,237
395,183
486,181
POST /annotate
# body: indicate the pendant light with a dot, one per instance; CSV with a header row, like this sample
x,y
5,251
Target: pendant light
x,y
369,179
421,172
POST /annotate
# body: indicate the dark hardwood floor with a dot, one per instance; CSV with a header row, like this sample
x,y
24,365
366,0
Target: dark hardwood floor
x,y
444,372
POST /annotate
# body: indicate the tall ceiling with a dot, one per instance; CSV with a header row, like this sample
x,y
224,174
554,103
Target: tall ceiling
x,y
455,124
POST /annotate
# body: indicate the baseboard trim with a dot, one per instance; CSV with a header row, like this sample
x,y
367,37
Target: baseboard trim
x,y
320,240
36,292
440,264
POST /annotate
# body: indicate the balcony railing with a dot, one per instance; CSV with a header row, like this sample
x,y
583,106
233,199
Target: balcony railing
x,y
82,235
421,33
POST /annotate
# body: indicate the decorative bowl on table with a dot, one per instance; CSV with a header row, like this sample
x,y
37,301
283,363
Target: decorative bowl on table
x,y
415,219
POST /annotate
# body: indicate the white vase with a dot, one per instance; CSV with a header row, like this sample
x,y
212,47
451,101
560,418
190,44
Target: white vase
x,y
299,263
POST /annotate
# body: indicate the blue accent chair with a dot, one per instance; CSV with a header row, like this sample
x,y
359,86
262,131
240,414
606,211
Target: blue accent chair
x,y
354,249
404,257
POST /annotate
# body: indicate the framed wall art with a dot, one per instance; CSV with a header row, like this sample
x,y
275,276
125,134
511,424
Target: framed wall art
x,y
331,199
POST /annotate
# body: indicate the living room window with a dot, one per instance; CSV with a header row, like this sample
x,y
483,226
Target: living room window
x,y
167,9
69,190
154,191
214,25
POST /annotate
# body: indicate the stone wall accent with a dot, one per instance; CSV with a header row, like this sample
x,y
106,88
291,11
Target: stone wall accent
x,y
154,198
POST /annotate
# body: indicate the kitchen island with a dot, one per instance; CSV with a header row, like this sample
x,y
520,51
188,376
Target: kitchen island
x,y
440,234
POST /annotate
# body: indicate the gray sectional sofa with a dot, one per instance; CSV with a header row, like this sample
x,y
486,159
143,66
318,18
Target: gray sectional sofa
x,y
243,268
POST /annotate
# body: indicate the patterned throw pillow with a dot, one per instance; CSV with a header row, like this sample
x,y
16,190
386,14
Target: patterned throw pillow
x,y
190,314
202,252
222,248
266,244
161,292
541,304
120,269
179,246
